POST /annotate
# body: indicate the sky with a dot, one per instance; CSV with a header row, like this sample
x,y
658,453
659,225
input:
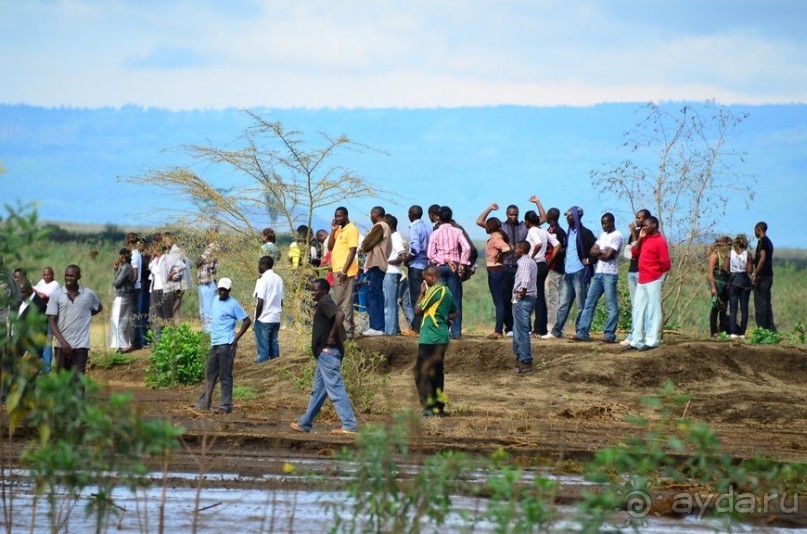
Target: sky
x,y
209,54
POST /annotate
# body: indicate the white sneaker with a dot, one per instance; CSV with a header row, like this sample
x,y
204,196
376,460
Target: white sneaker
x,y
550,335
741,337
371,332
734,336
509,334
625,342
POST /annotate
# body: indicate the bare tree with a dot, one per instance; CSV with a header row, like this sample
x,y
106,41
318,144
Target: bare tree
x,y
277,175
682,166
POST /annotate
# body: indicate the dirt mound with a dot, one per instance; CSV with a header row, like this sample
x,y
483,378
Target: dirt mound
x,y
576,401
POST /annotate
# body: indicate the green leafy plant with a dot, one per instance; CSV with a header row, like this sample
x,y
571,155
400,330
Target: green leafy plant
x,y
178,357
799,334
110,359
763,336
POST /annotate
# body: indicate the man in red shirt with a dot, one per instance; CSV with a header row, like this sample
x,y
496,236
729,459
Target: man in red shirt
x,y
654,261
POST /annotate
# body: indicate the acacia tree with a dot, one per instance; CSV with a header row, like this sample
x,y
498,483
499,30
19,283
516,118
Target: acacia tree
x,y
683,167
278,175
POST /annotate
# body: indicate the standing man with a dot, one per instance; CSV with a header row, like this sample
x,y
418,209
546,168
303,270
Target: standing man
x,y
177,278
343,243
31,305
762,278
606,273
578,269
654,261
137,266
45,288
436,306
523,299
450,251
206,278
555,261
70,311
515,231
392,278
417,259
633,269
269,292
223,344
327,345
377,245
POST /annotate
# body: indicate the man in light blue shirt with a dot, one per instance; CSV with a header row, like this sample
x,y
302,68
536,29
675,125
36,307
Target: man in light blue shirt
x,y
417,259
223,343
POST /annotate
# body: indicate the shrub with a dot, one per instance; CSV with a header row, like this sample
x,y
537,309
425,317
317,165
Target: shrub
x,y
763,336
178,357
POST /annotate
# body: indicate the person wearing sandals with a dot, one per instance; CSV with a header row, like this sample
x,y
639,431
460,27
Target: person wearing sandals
x,y
496,248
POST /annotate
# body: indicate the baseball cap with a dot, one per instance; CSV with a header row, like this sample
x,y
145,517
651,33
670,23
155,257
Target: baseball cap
x,y
569,211
225,283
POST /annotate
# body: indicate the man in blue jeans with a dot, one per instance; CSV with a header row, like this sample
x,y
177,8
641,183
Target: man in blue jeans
x,y
223,344
606,273
327,344
525,291
578,269
268,308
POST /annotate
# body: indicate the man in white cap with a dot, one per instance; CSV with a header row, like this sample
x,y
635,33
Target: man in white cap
x,y
223,342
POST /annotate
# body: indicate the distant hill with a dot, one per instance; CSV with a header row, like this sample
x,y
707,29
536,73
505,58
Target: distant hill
x,y
70,160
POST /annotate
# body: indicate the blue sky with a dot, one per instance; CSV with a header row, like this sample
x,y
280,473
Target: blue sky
x,y
419,56
211,54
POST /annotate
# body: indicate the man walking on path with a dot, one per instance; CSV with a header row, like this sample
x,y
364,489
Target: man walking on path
x,y
327,345
654,261
223,344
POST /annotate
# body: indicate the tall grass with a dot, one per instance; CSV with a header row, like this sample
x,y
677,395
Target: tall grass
x,y
96,258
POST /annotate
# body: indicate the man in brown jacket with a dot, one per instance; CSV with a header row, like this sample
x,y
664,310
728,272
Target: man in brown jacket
x,y
377,245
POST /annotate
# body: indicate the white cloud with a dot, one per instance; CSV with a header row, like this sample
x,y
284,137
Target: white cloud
x,y
383,54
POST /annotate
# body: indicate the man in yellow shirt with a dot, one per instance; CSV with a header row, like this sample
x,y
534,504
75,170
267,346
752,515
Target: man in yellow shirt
x,y
343,243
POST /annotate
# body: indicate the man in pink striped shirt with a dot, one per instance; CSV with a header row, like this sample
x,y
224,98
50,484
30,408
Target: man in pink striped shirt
x,y
449,250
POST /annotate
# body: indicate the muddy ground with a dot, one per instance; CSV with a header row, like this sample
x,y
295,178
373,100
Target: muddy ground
x,y
755,397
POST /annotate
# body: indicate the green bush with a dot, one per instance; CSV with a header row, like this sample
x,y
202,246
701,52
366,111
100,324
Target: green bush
x,y
178,357
763,336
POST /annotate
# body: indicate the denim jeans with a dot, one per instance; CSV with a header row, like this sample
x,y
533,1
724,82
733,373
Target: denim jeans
x,y
452,280
141,323
539,326
600,284
391,281
375,298
328,384
415,277
266,341
406,302
554,282
522,313
763,309
739,295
507,290
47,353
573,289
207,294
496,287
647,314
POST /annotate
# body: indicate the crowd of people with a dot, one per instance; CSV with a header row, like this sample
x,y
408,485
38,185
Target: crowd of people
x,y
536,277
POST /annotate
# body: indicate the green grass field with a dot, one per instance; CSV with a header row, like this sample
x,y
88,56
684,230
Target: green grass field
x,y
96,258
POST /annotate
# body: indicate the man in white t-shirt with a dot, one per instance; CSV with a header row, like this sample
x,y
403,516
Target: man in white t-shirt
x,y
45,288
392,277
269,295
606,273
